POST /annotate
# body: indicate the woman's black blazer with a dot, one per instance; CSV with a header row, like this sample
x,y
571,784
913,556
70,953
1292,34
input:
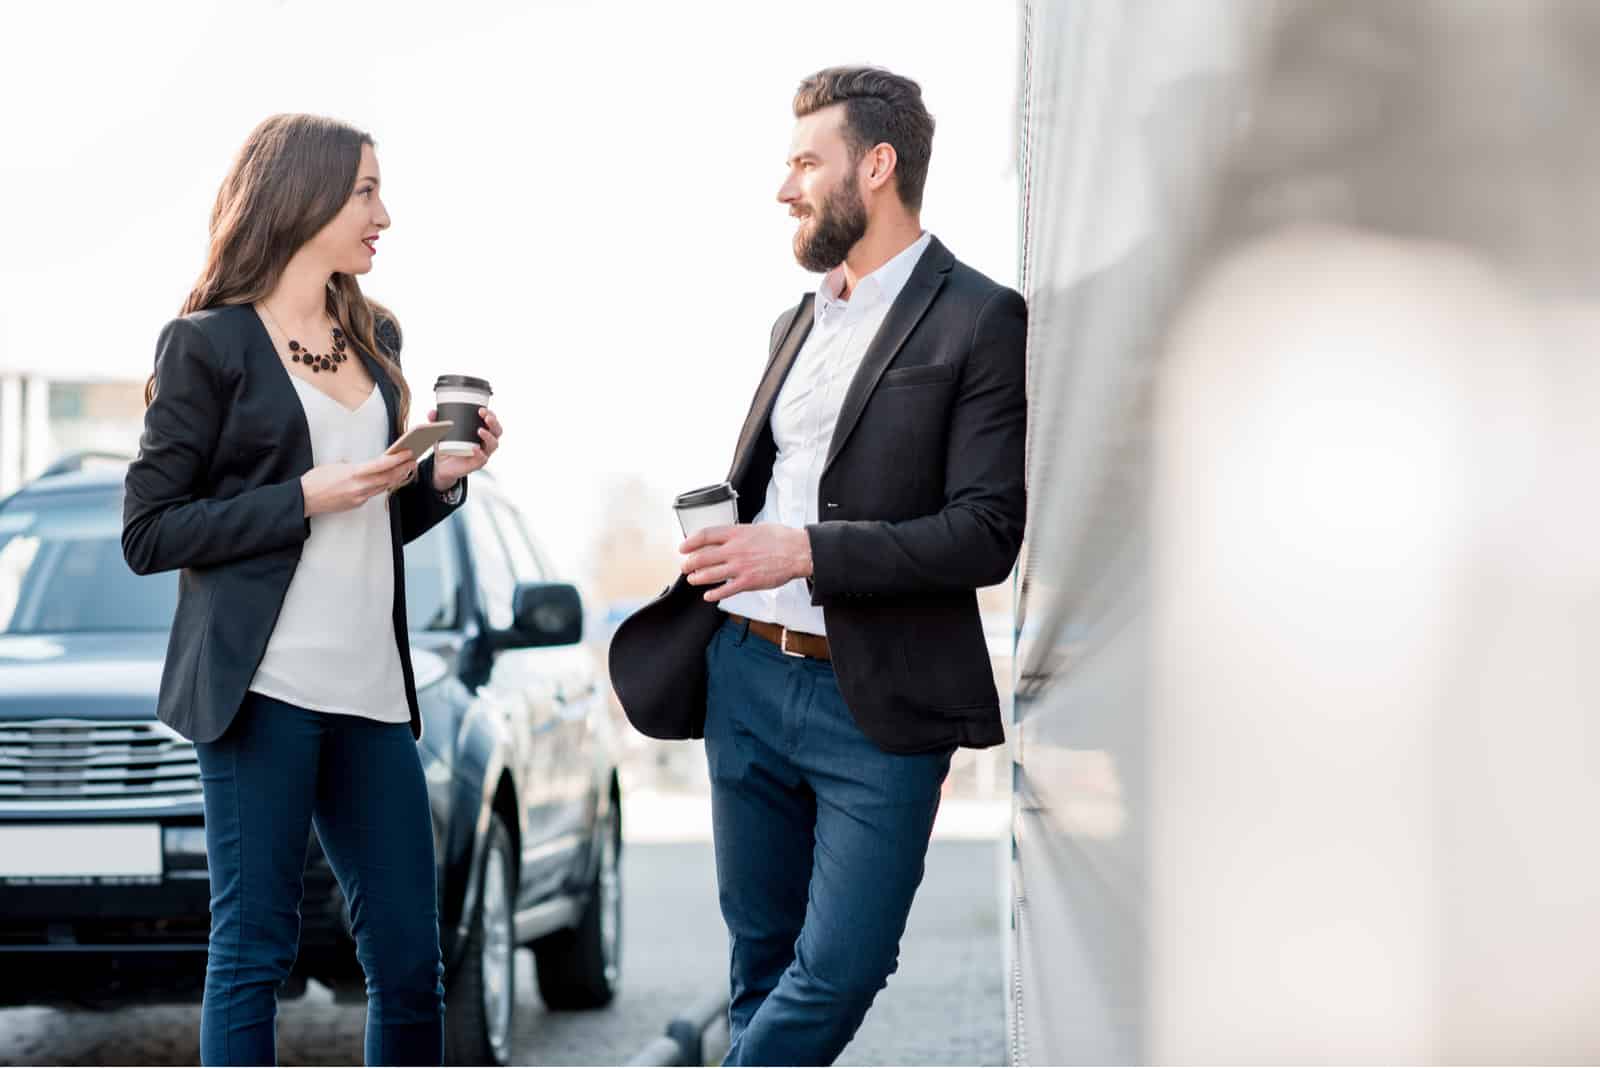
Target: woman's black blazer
x,y
215,491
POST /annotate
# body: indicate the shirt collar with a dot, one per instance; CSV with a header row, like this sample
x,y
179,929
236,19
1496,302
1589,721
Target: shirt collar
x,y
881,286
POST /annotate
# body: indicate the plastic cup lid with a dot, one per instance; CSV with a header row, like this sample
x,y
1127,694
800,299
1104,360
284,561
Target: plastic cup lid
x,y
462,382
713,494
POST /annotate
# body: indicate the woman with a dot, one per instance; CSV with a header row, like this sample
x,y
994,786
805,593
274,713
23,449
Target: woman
x,y
262,473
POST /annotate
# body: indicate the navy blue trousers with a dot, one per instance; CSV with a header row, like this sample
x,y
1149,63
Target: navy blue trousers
x,y
277,769
820,841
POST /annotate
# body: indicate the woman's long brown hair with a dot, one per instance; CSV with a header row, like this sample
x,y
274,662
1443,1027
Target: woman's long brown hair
x,y
293,175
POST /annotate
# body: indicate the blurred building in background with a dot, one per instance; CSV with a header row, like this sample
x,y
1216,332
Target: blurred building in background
x,y
43,418
1304,751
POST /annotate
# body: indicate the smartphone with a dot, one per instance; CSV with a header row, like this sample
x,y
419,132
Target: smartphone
x,y
419,439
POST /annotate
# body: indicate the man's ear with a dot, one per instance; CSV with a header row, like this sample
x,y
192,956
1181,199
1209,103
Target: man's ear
x,y
881,161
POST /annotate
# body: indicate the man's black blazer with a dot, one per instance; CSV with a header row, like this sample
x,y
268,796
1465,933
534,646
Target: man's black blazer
x,y
922,501
215,490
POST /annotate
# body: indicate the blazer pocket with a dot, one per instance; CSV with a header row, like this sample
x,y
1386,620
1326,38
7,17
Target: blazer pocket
x,y
246,437
918,376
251,449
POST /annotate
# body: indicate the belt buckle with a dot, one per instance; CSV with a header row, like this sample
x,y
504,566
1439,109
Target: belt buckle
x,y
783,645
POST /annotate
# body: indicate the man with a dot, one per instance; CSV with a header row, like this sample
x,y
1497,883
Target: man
x,y
829,647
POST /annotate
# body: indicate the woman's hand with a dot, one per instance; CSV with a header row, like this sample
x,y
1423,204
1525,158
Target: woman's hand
x,y
449,468
341,487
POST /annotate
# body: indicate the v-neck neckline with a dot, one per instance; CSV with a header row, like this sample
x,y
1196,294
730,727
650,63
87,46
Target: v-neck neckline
x,y
331,398
272,349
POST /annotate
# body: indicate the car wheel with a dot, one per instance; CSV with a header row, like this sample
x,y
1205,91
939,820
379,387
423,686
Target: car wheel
x,y
581,968
481,1001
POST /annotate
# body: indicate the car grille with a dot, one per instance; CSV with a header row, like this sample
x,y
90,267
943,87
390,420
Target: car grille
x,y
95,761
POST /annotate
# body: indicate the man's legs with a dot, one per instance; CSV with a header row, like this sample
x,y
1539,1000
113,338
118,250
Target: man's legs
x,y
865,841
762,817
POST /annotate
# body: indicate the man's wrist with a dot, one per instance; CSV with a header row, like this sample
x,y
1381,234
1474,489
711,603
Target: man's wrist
x,y
802,558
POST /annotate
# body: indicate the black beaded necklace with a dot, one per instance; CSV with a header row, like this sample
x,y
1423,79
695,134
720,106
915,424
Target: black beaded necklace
x,y
327,361
318,362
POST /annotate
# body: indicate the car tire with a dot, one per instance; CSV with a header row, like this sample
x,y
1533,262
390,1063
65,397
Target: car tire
x,y
581,967
480,1005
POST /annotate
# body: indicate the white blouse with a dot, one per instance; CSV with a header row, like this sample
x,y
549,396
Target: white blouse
x,y
333,648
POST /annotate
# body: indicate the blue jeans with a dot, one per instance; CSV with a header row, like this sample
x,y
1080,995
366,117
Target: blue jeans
x,y
820,842
278,769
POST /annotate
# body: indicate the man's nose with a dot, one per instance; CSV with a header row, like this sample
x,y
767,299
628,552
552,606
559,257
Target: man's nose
x,y
788,192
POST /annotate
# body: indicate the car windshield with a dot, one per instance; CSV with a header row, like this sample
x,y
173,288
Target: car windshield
x,y
62,572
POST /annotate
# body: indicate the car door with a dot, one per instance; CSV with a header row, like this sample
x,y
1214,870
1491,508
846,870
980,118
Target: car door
x,y
434,605
571,672
521,688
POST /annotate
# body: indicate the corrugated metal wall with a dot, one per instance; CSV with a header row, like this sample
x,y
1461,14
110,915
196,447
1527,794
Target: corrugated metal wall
x,y
1303,752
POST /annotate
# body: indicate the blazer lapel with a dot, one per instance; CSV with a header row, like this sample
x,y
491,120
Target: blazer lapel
x,y
904,314
767,394
259,349
386,388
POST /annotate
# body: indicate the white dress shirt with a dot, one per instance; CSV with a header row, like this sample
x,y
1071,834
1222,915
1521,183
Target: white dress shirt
x,y
805,414
333,648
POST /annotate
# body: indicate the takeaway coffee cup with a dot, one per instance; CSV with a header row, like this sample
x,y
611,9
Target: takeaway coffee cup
x,y
457,399
708,506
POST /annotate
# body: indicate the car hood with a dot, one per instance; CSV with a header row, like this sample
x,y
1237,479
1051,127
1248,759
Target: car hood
x,y
106,676
84,676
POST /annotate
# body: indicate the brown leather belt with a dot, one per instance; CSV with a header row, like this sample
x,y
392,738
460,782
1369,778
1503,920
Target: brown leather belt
x,y
793,642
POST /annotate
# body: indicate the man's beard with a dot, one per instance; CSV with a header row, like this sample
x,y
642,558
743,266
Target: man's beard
x,y
838,224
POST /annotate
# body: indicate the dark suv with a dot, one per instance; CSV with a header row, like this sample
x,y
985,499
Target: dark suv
x,y
104,896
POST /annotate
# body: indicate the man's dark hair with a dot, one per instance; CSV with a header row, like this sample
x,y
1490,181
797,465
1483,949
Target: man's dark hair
x,y
879,108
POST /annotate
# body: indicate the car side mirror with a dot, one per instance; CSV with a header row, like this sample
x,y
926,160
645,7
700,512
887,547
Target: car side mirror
x,y
545,613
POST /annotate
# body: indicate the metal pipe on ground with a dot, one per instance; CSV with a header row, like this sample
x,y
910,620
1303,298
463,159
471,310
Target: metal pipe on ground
x,y
684,1041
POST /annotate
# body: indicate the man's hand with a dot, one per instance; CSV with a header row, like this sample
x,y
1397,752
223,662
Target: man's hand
x,y
761,557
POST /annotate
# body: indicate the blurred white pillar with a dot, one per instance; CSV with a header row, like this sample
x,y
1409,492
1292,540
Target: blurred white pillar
x,y
35,425
10,433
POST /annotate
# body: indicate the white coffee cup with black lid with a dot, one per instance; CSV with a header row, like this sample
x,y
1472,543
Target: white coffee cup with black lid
x,y
709,506
456,399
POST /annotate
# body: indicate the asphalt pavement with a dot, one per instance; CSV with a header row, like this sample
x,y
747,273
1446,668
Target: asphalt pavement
x,y
944,1006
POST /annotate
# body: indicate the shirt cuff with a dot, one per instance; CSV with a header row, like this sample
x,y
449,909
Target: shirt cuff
x,y
452,496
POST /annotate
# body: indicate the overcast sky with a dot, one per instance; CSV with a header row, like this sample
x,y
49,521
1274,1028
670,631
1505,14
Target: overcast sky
x,y
582,193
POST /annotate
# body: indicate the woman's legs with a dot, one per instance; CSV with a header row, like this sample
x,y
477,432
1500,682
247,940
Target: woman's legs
x,y
259,781
374,823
